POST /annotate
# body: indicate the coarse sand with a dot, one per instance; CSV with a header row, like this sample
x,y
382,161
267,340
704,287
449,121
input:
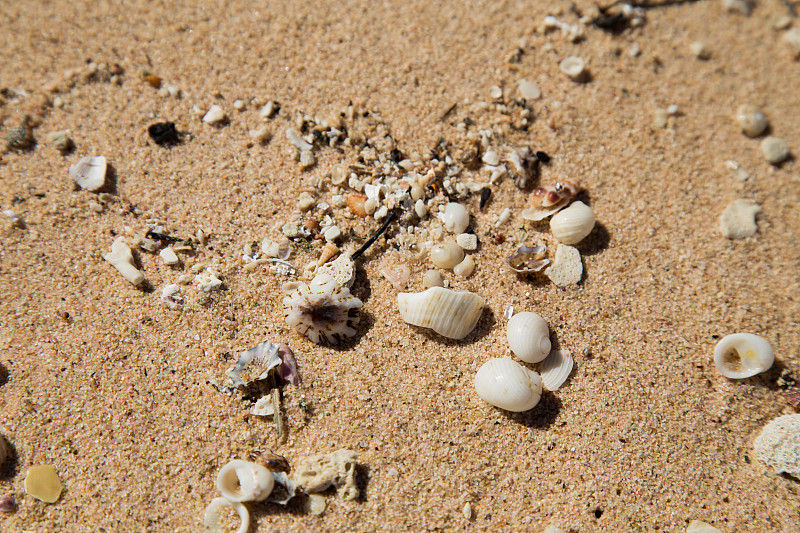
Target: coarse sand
x,y
116,390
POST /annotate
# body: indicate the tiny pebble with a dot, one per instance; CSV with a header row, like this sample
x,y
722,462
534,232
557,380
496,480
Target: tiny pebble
x,y
491,158
296,140
261,135
7,504
495,92
700,50
672,110
339,174
696,526
468,511
781,23
215,115
738,221
168,256
432,278
752,120
60,141
305,202
269,109
417,193
468,241
529,90
238,105
42,483
742,7
420,209
381,213
94,206
332,233
660,118
775,150
290,230
503,218
574,67
307,159
370,205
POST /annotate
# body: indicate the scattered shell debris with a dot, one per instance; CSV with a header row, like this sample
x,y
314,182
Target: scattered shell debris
x,y
42,482
738,220
449,313
89,173
550,199
778,445
743,355
121,258
567,268
504,383
170,295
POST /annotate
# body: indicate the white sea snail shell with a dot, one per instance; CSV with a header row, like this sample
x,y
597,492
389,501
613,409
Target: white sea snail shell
x,y
240,481
211,518
742,355
449,313
506,384
528,337
572,224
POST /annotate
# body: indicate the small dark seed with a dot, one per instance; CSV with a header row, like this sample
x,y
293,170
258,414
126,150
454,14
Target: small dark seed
x,y
486,192
163,133
542,156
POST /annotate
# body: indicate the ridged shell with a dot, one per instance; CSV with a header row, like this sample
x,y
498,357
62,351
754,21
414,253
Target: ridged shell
x,y
742,355
323,310
240,481
449,313
555,369
506,384
89,173
529,337
572,224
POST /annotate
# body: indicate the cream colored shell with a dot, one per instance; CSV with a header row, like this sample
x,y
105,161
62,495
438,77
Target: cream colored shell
x,y
448,313
241,481
506,384
212,516
742,355
529,337
555,369
446,255
571,225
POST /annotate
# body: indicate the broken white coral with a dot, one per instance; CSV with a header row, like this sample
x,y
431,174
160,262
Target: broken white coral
x,y
336,469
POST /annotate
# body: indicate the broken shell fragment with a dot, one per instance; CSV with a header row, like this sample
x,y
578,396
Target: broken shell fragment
x,y
574,67
528,336
567,267
556,368
212,518
121,258
449,313
337,469
323,310
42,483
550,199
342,271
455,218
528,259
241,481
526,167
255,363
571,225
742,355
506,384
89,173
738,220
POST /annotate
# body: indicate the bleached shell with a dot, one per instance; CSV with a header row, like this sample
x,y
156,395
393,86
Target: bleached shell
x,y
241,481
211,518
742,355
263,407
342,270
572,224
529,337
323,311
255,364
506,384
555,369
89,173
455,218
449,313
528,259
446,255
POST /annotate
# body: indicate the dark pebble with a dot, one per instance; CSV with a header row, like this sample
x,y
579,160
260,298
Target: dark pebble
x,y
163,133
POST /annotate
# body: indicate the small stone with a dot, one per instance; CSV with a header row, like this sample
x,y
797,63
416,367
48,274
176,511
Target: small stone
x,y
553,529
495,92
660,118
261,135
238,105
742,7
700,50
42,483
332,233
97,208
7,504
696,526
60,141
291,230
783,22
296,140
163,133
381,212
529,90
491,158
738,221
420,209
170,295
121,258
208,281
307,159
316,504
468,241
775,150
305,202
269,110
174,91
778,443
567,268
752,120
146,244
215,115
168,256
370,205
432,278
467,511
672,110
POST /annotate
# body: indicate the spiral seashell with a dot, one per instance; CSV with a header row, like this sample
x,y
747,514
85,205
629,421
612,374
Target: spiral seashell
x,y
555,369
323,310
529,337
506,384
449,313
446,255
241,481
211,518
742,355
574,223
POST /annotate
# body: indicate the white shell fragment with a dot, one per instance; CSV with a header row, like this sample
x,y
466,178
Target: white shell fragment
x,y
752,120
170,295
506,384
241,481
567,267
121,258
208,281
775,150
449,313
455,218
215,115
778,445
574,67
446,255
468,241
263,407
529,90
556,368
742,355
696,526
432,278
255,363
168,256
342,271
465,268
528,336
89,173
323,310
212,518
297,141
738,221
571,225
337,469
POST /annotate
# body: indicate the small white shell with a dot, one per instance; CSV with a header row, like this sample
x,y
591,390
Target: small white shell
x,y
214,115
574,67
555,369
572,224
742,355
529,337
446,255
241,481
752,120
432,278
89,173
449,313
455,218
506,384
211,518
465,268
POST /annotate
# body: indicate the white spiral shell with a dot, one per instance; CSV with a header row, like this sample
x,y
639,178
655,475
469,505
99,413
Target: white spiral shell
x,y
742,355
448,313
572,224
506,384
528,337
212,516
241,481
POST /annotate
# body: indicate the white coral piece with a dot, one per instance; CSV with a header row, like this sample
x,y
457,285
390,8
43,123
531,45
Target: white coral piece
x,y
323,311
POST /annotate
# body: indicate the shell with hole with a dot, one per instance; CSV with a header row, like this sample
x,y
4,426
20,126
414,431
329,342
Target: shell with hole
x,y
529,337
241,481
743,355
213,516
506,384
449,313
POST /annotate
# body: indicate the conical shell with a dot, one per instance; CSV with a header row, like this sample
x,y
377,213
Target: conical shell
x,y
89,173
743,355
506,384
556,368
449,313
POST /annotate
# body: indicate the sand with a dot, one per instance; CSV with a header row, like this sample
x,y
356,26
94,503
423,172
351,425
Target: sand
x,y
113,388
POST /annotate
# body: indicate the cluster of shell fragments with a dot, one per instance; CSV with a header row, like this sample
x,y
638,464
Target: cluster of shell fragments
x,y
323,310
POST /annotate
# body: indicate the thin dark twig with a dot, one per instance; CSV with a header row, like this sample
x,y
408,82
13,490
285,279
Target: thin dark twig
x,y
375,236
